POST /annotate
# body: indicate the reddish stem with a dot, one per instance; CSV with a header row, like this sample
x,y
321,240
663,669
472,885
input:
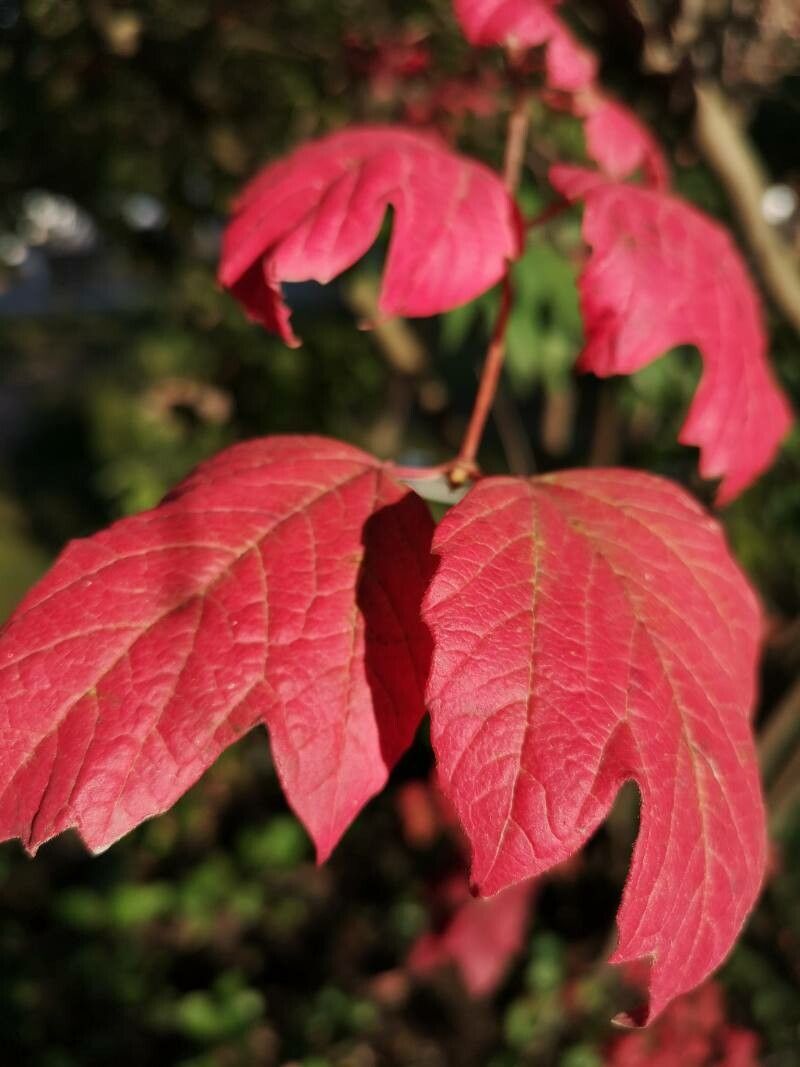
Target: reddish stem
x,y
465,466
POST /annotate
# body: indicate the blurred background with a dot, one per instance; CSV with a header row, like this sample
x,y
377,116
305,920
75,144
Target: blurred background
x,y
207,938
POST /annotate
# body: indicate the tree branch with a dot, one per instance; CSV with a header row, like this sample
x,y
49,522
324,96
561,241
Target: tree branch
x,y
728,152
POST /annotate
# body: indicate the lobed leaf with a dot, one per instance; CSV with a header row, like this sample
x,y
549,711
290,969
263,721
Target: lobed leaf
x,y
615,138
520,24
314,214
281,585
506,22
591,628
619,142
662,274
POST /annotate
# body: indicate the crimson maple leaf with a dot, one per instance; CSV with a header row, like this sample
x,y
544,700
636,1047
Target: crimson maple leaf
x,y
280,584
662,274
615,138
590,628
312,215
529,24
517,22
619,142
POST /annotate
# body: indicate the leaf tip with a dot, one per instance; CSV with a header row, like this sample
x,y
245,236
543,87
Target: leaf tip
x,y
322,852
631,1020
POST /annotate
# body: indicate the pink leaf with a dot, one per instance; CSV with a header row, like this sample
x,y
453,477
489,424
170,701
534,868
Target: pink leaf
x,y
481,937
280,584
314,214
662,274
589,628
569,66
529,24
615,137
619,142
525,23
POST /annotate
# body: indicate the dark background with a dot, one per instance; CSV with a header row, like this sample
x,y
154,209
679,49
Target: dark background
x,y
207,937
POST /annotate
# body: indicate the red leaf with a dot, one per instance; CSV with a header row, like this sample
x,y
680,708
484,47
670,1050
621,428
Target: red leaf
x,y
506,22
616,138
481,937
618,141
662,274
693,1032
620,144
589,628
569,66
529,24
280,584
312,215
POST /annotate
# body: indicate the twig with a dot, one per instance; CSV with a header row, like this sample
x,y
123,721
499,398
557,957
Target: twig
x,y
516,137
406,358
728,152
781,732
606,444
784,796
465,466
397,341
386,434
558,418
511,430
